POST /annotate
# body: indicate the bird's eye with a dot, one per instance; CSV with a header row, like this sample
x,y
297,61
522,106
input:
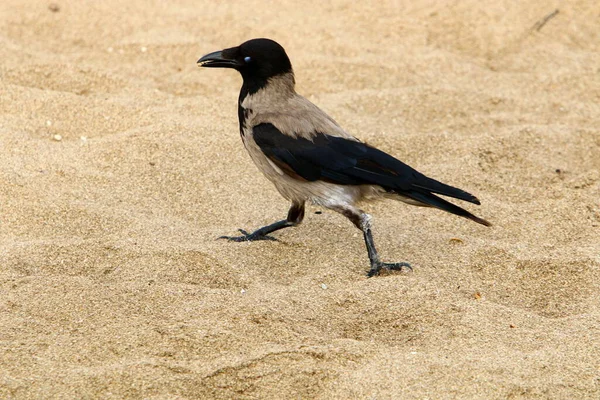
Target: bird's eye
x,y
247,59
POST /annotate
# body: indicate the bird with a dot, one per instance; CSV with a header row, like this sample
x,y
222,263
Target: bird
x,y
309,157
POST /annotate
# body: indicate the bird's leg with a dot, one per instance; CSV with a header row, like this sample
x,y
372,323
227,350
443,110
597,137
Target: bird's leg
x,y
294,217
362,221
377,265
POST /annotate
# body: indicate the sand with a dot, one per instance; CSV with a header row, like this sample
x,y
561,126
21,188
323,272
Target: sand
x,y
121,164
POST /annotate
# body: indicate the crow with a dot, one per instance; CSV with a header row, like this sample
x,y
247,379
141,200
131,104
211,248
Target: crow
x,y
309,157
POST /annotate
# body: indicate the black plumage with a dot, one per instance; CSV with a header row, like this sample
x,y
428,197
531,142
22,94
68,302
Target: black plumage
x,y
349,162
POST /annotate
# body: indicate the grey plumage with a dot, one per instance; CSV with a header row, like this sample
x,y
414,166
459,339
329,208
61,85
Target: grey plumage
x,y
309,157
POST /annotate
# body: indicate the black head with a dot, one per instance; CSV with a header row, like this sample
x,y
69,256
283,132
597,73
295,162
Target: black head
x,y
256,59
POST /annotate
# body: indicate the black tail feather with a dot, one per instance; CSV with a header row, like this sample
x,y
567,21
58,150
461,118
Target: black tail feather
x,y
431,185
437,202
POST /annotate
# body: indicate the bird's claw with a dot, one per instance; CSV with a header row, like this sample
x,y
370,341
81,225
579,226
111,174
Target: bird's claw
x,y
375,269
247,237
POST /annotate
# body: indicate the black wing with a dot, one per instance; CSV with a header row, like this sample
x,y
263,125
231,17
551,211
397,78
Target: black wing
x,y
348,162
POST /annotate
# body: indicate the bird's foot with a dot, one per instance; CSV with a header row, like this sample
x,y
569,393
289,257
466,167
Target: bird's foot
x,y
248,237
378,266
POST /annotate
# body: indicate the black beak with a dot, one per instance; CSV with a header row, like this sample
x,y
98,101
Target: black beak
x,y
218,60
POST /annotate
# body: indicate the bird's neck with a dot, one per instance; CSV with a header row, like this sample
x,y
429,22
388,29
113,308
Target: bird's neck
x,y
275,88
261,95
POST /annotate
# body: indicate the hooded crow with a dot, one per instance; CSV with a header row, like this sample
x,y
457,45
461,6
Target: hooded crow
x,y
309,157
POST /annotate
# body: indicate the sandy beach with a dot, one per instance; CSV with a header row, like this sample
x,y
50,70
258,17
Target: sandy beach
x,y
121,163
